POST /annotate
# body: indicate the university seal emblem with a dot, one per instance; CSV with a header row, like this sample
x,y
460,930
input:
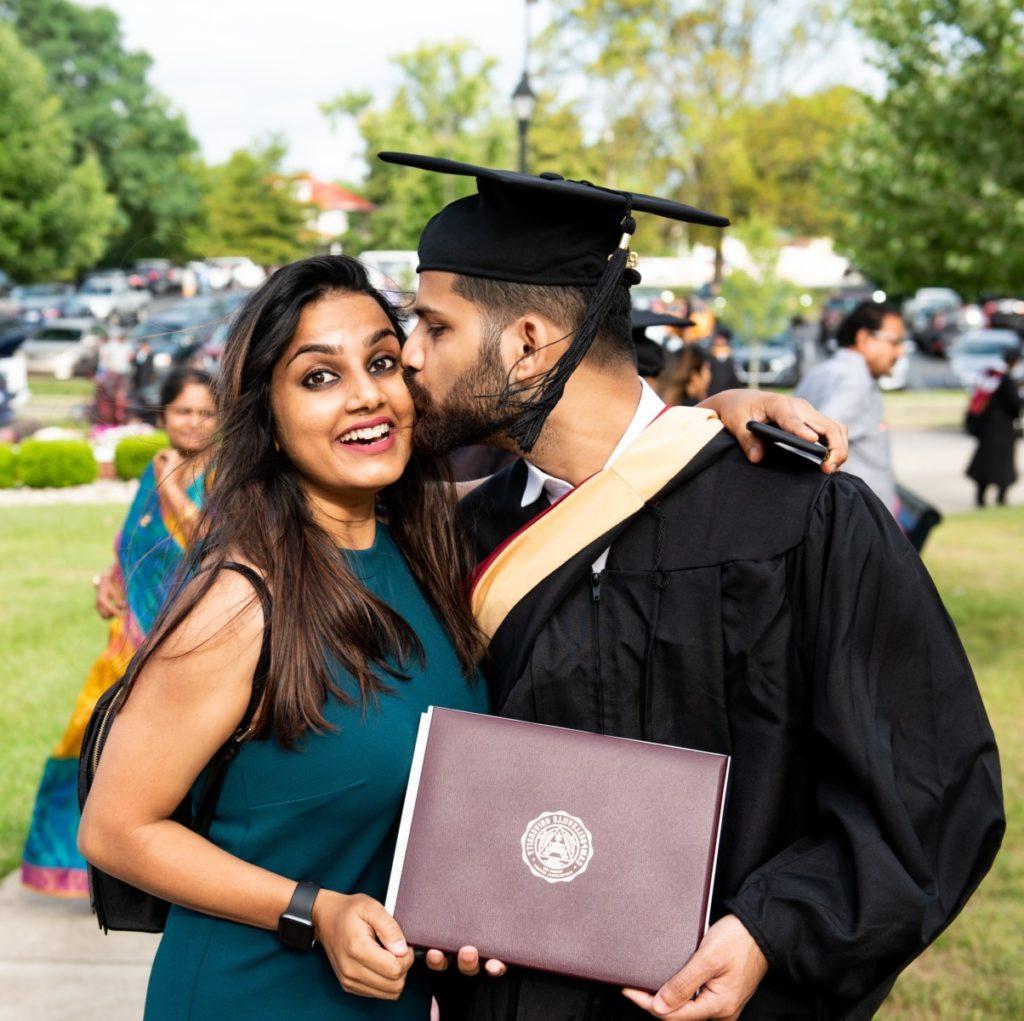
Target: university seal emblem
x,y
557,847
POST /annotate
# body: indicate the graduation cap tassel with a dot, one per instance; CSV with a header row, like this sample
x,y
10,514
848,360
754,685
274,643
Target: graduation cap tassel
x,y
545,392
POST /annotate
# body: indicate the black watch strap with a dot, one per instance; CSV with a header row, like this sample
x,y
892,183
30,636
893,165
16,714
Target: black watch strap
x,y
295,926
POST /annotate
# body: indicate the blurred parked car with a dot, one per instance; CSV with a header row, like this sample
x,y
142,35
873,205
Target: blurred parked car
x,y
109,296
64,348
1005,314
838,306
240,271
773,362
35,303
931,317
15,376
153,274
976,351
13,333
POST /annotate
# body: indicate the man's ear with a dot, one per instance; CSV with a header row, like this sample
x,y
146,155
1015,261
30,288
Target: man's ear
x,y
532,345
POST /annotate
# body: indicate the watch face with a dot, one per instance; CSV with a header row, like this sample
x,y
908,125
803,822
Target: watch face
x,y
295,932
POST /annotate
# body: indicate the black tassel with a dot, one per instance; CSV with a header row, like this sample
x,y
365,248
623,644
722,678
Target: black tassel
x,y
546,391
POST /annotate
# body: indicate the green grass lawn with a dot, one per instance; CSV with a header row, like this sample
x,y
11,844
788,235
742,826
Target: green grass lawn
x,y
50,634
47,386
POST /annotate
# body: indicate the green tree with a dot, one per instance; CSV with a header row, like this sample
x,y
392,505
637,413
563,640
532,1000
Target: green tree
x,y
932,182
249,208
144,147
668,80
55,216
758,303
447,104
789,144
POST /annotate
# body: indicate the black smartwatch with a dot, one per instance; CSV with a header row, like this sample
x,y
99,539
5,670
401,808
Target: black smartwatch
x,y
295,926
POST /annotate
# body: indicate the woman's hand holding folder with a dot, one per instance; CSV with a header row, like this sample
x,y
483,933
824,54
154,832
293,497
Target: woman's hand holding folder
x,y
468,961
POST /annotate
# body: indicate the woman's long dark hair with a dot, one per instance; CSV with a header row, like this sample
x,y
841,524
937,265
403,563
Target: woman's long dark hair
x,y
256,511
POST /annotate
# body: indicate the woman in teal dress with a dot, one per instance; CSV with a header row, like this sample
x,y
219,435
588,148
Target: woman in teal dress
x,y
148,552
317,487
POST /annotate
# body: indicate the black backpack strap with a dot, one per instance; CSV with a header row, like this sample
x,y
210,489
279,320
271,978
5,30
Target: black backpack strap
x,y
218,768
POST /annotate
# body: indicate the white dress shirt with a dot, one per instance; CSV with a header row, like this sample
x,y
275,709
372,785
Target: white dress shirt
x,y
648,408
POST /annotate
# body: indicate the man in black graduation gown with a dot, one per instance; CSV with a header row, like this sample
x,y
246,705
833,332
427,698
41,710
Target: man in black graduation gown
x,y
774,614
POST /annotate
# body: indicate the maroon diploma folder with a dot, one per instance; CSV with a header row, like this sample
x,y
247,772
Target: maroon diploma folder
x,y
556,849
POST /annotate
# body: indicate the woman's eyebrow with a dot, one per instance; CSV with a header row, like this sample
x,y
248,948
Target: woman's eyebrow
x,y
379,335
335,349
320,349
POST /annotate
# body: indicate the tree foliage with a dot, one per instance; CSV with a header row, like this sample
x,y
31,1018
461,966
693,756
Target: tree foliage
x,y
144,147
249,208
758,303
678,86
55,216
934,176
445,104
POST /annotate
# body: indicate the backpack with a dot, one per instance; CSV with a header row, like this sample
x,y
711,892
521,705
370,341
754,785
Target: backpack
x,y
116,904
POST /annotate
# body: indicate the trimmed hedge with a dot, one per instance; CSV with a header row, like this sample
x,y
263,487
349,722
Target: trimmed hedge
x,y
133,453
56,463
8,465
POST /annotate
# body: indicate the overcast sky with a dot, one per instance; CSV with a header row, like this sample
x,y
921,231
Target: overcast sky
x,y
241,69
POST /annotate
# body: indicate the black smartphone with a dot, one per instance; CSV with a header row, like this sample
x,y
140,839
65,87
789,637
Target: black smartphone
x,y
776,435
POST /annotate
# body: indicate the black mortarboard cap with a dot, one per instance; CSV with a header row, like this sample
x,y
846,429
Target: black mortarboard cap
x,y
541,230
650,355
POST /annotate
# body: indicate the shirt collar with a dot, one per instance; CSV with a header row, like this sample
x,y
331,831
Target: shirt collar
x,y
648,408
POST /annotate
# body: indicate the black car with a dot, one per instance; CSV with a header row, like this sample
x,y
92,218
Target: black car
x,y
13,333
775,362
1005,314
836,309
156,274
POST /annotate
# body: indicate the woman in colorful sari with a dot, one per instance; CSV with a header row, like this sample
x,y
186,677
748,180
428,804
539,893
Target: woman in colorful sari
x,y
129,594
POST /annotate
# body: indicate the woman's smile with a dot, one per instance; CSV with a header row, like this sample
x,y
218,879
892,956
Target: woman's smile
x,y
370,437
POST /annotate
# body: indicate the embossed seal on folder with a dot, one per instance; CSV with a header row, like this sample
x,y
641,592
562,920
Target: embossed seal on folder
x,y
557,846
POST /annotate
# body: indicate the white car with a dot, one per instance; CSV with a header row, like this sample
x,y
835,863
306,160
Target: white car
x,y
15,373
64,347
228,269
109,296
975,352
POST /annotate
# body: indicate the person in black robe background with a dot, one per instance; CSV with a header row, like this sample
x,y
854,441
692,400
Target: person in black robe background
x,y
993,460
774,615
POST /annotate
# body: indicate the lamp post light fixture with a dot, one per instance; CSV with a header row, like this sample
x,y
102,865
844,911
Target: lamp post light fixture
x,y
524,101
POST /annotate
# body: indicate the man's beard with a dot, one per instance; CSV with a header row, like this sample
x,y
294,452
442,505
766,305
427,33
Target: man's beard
x,y
469,413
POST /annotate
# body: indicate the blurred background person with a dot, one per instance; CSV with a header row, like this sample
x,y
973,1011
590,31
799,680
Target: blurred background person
x,y
992,417
723,368
143,371
113,379
845,388
687,377
148,551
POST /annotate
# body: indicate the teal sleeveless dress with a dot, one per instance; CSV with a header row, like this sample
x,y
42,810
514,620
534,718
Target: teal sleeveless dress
x,y
328,812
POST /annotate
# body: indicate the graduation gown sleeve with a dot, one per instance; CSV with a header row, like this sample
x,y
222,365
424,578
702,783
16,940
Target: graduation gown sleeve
x,y
909,804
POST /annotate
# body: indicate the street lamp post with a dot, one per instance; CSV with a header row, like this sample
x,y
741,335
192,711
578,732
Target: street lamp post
x,y
524,101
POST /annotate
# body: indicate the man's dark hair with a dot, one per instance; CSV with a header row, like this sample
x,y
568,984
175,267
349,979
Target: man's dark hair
x,y
868,315
502,302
